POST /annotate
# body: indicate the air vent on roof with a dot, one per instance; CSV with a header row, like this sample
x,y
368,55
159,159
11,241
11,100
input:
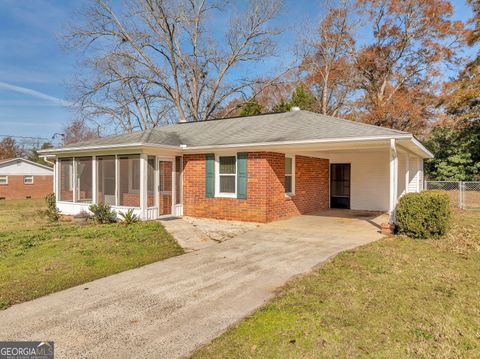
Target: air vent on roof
x,y
295,108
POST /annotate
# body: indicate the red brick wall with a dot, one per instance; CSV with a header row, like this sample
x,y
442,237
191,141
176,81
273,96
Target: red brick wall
x,y
266,199
133,199
197,205
16,189
311,186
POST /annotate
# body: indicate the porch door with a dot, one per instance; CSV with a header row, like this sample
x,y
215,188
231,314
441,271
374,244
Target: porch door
x,y
340,185
165,187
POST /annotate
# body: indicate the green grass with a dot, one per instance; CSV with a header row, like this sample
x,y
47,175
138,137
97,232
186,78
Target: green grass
x,y
393,298
38,258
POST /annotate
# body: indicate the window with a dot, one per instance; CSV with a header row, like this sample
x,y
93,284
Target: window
x,y
227,176
129,181
84,179
106,180
150,181
134,173
27,179
66,179
3,179
289,175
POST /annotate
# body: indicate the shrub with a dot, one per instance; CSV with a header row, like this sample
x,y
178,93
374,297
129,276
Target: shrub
x,y
52,212
102,213
423,215
129,217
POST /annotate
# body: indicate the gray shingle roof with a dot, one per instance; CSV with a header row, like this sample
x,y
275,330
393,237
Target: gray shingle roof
x,y
277,127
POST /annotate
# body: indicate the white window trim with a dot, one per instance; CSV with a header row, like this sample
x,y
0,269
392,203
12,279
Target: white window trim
x,y
24,177
217,176
292,193
6,180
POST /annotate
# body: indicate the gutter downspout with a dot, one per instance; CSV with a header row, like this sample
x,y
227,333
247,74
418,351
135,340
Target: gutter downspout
x,y
50,162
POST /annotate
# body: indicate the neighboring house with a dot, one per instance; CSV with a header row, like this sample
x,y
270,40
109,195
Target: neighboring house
x,y
256,168
21,178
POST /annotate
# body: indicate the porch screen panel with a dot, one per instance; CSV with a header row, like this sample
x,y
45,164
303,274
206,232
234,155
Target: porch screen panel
x,y
66,180
129,182
150,181
178,179
106,179
84,179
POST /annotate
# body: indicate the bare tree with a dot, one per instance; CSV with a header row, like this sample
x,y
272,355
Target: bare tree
x,y
162,60
327,61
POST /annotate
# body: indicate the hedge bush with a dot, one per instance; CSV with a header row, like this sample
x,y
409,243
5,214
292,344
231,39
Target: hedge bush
x,y
423,215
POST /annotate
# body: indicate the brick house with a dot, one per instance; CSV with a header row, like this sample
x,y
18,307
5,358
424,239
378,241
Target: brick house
x,y
255,168
21,178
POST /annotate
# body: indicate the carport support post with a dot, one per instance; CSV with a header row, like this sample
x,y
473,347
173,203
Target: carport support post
x,y
393,179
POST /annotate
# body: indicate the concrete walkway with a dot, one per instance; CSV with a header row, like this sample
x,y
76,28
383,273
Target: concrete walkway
x,y
170,308
188,236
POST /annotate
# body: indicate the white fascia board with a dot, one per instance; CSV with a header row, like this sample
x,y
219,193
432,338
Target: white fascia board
x,y
302,142
187,149
422,147
123,146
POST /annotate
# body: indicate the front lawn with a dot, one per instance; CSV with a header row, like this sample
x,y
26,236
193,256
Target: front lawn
x,y
393,298
38,258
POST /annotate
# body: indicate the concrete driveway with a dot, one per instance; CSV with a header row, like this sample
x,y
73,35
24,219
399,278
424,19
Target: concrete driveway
x,y
170,308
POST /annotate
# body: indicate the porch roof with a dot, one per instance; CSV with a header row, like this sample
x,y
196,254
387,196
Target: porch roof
x,y
276,128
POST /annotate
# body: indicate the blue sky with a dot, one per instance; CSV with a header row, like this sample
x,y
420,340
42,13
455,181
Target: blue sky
x,y
34,70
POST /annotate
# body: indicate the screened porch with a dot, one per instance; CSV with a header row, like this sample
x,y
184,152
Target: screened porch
x,y
150,185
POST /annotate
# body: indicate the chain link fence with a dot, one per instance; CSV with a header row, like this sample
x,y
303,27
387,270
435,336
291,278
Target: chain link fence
x,y
464,195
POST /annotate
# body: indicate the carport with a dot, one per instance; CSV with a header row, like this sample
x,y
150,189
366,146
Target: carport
x,y
372,175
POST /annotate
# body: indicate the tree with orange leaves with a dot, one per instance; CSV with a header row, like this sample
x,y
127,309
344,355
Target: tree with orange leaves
x,y
456,141
396,72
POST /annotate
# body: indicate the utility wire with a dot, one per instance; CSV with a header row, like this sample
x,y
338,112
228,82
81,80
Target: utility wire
x,y
27,137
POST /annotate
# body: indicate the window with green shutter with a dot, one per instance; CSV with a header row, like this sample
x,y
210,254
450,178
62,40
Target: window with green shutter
x,y
227,173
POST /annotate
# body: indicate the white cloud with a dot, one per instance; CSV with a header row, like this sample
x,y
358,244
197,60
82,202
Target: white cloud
x,y
34,93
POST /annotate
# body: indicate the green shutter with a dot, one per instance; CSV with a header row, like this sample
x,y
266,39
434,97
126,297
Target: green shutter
x,y
242,175
210,175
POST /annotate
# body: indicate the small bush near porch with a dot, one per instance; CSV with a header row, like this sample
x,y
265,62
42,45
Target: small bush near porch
x,y
424,214
394,298
38,258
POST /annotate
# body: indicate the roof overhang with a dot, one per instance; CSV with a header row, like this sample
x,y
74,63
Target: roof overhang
x,y
123,147
408,141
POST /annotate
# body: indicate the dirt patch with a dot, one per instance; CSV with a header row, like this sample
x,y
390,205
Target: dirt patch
x,y
221,230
